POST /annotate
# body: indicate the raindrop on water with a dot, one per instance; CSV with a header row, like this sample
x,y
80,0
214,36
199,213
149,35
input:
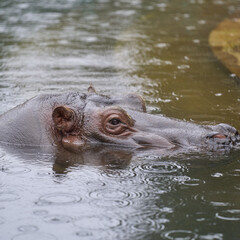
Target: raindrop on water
x,y
58,199
229,215
98,222
35,236
28,228
8,196
16,170
57,219
180,234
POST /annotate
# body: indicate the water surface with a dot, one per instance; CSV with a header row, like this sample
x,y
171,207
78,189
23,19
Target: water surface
x,y
156,48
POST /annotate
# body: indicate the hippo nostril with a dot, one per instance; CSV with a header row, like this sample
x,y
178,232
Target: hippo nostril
x,y
226,129
219,136
216,135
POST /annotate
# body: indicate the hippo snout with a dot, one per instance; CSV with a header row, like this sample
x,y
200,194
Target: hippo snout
x,y
224,135
226,129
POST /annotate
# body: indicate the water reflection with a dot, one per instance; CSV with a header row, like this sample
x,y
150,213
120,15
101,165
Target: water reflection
x,y
123,195
109,157
158,49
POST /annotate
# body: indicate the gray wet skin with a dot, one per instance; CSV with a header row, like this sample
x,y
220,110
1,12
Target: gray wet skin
x,y
74,121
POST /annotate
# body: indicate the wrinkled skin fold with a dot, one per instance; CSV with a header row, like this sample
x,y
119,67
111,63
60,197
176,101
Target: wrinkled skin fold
x,y
75,121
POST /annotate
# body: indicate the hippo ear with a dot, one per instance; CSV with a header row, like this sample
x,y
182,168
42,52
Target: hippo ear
x,y
91,89
135,101
64,118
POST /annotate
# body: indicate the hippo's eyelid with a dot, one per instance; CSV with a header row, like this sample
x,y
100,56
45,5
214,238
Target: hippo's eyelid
x,y
119,113
115,121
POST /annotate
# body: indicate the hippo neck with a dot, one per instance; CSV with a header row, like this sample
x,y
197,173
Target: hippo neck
x,y
28,123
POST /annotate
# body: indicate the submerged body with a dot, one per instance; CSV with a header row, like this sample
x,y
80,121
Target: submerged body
x,y
74,121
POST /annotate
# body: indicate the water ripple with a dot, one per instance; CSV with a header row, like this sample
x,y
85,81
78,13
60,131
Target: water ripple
x,y
28,228
193,182
218,198
180,234
84,234
109,194
110,197
16,170
116,197
217,175
8,196
160,167
237,186
120,174
35,236
98,222
229,215
234,173
147,225
56,219
44,173
167,202
210,236
58,199
40,212
2,220
159,184
95,184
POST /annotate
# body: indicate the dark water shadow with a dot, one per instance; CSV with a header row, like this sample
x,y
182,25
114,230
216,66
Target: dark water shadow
x,y
113,157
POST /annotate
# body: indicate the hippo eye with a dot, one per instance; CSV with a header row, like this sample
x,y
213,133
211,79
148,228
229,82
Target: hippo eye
x,y
115,121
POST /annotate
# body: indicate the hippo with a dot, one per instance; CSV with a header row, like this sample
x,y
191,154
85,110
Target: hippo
x,y
74,121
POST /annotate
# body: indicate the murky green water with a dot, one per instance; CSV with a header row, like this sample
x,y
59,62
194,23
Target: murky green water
x,y
156,48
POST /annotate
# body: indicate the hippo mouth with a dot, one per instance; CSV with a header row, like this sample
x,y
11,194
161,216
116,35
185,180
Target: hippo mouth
x,y
225,136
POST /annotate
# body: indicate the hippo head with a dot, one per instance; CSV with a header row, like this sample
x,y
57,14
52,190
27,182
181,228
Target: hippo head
x,y
123,121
